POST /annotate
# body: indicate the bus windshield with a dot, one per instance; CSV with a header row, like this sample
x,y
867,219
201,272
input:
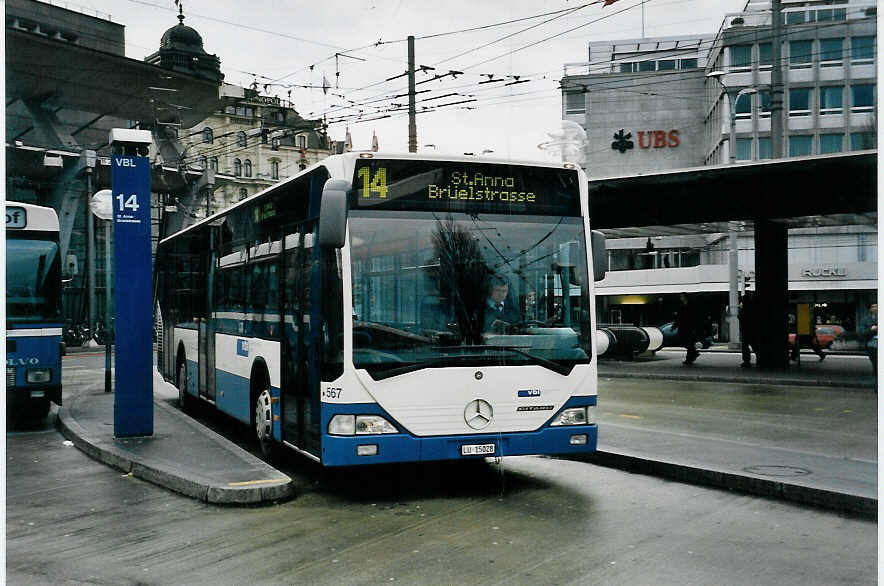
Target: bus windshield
x,y
468,289
33,280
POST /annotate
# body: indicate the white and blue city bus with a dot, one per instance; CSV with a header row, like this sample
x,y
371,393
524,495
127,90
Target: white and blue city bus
x,y
349,313
33,310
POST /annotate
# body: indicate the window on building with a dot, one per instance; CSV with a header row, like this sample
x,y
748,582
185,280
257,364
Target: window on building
x,y
831,143
800,54
860,141
243,193
765,55
647,66
741,57
274,169
208,135
862,50
743,107
800,145
274,144
764,149
744,149
204,162
666,64
687,63
796,17
237,167
831,101
279,115
575,103
831,52
799,101
302,141
628,67
241,139
247,168
764,104
213,162
862,97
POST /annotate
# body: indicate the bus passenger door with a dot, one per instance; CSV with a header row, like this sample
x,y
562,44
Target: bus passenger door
x,y
301,418
207,336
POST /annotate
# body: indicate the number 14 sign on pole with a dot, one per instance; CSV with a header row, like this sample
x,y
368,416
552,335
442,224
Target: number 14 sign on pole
x,y
133,286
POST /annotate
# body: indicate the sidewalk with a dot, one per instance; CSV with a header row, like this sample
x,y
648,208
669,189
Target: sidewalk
x,y
182,455
845,371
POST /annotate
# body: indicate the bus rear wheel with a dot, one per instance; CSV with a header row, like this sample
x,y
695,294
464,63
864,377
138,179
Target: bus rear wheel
x,y
263,423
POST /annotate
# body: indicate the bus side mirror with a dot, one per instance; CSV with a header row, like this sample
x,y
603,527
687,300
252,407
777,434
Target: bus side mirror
x,y
599,255
333,213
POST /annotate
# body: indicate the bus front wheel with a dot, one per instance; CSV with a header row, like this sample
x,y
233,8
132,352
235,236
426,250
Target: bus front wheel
x,y
263,423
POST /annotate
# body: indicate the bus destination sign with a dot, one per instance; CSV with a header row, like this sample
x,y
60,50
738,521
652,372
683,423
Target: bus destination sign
x,y
465,187
16,217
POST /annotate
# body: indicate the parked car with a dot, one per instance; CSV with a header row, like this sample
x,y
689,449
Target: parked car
x,y
670,336
826,335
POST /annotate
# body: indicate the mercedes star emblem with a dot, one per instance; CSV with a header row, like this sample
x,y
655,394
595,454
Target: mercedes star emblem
x,y
478,413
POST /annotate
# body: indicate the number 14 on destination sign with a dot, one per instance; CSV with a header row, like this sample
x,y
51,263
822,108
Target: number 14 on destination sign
x,y
370,185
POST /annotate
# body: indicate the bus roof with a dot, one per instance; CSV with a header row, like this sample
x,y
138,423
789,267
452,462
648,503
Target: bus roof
x,y
30,217
344,163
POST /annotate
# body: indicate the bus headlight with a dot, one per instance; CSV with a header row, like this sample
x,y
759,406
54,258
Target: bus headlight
x,y
39,375
359,425
342,425
574,416
371,424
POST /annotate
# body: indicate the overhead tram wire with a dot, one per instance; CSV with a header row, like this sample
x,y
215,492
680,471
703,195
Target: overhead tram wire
x,y
380,42
640,75
556,35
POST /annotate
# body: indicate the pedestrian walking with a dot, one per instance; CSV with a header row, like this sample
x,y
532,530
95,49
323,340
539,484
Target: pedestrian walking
x,y
686,321
748,328
868,329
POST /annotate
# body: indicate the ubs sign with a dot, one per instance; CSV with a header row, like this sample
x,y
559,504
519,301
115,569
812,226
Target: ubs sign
x,y
657,139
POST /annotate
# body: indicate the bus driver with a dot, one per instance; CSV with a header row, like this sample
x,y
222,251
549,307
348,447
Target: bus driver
x,y
500,311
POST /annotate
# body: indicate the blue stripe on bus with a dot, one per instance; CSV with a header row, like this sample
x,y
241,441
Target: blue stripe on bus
x,y
232,397
404,447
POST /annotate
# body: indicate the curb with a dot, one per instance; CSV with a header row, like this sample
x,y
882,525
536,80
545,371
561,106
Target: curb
x,y
755,381
161,474
864,507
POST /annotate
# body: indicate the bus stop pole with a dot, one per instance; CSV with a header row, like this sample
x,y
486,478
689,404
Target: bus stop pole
x,y
108,329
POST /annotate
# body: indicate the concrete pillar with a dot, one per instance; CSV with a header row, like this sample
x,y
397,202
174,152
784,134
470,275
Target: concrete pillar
x,y
772,293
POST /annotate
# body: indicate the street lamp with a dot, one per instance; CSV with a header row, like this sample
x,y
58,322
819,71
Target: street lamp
x,y
732,103
732,259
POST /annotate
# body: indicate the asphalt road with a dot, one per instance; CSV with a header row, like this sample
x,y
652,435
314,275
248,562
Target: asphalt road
x,y
527,520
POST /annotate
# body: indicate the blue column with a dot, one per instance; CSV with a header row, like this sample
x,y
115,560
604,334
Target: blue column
x,y
133,324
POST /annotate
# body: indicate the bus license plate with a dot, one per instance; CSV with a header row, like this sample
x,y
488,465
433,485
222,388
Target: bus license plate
x,y
476,449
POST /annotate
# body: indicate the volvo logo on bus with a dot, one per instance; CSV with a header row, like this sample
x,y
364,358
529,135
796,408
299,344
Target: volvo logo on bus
x,y
478,413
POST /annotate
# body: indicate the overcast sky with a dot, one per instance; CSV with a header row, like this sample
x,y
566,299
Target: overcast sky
x,y
276,42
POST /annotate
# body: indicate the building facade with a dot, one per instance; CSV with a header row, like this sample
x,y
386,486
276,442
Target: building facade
x,y
632,94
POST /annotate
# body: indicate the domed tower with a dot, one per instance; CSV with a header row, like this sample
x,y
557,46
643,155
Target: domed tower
x,y
181,50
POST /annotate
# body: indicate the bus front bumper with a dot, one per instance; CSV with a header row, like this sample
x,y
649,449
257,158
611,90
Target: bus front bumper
x,y
22,395
384,449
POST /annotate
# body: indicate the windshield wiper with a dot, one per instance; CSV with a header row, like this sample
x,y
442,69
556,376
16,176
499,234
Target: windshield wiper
x,y
546,362
435,363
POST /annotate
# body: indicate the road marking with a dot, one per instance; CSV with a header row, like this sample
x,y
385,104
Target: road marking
x,y
631,416
253,482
